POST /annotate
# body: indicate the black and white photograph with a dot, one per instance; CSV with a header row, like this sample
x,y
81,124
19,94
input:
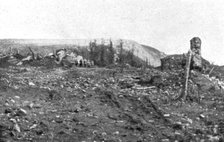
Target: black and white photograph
x,y
111,71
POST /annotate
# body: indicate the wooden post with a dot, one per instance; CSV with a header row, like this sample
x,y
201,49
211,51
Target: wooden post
x,y
187,76
211,71
10,50
32,53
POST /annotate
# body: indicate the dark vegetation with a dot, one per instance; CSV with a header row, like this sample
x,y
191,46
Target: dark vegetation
x,y
104,55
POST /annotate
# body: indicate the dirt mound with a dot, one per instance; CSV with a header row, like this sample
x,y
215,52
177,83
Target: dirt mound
x,y
202,82
173,62
178,62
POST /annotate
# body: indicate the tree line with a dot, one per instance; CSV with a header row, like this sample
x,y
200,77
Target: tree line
x,y
107,54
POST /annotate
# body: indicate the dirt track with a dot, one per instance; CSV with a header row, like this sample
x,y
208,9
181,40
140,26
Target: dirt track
x,y
98,104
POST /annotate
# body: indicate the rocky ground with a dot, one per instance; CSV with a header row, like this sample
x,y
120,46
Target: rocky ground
x,y
101,104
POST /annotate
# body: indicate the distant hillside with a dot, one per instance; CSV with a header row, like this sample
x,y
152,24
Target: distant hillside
x,y
46,46
154,54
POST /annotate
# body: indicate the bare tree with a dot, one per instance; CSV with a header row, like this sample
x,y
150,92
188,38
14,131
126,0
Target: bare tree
x,y
130,57
92,46
111,53
102,54
121,56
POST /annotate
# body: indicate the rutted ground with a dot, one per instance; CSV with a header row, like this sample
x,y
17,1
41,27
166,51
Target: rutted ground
x,y
99,104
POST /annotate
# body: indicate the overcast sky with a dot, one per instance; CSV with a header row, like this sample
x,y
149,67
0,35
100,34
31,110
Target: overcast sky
x,y
167,25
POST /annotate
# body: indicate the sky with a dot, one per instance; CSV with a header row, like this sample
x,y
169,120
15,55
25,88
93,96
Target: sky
x,y
167,25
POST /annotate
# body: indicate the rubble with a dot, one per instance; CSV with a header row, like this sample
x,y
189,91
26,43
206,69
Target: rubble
x,y
62,58
43,101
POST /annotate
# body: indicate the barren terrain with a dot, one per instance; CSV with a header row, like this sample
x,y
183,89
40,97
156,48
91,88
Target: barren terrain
x,y
50,103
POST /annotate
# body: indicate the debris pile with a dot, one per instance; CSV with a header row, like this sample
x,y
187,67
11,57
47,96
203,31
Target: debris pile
x,y
61,58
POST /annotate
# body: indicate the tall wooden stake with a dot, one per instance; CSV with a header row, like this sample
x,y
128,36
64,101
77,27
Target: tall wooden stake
x,y
187,76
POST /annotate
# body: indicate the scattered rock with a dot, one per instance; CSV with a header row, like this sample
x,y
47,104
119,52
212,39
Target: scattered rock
x,y
31,84
21,112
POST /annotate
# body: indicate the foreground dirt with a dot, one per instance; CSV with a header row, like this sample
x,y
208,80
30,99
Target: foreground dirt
x,y
99,104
